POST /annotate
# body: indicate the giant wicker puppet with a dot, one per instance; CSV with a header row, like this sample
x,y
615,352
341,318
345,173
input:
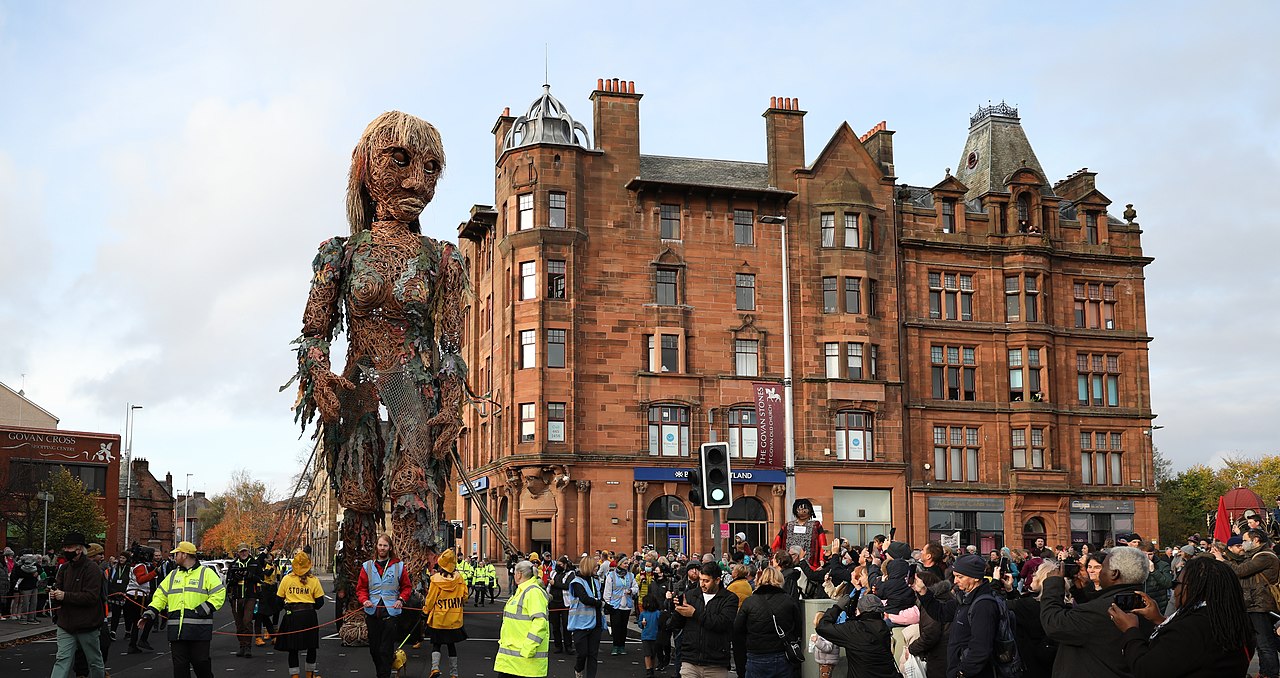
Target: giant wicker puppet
x,y
403,297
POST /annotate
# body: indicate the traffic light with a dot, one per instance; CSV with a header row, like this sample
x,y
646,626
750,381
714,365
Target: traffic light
x,y
717,481
695,487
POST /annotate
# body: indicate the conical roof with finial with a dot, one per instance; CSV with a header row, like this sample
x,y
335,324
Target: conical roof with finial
x,y
546,122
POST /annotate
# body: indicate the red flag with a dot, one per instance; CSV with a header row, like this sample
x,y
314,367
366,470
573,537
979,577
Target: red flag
x,y
1222,524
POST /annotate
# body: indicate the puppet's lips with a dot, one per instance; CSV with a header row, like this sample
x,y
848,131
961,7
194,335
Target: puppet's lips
x,y
413,203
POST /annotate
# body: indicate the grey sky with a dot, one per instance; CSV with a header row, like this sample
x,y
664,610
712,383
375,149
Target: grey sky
x,y
166,172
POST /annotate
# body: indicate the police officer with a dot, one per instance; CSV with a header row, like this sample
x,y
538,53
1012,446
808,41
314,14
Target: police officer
x,y
490,578
467,569
188,596
525,636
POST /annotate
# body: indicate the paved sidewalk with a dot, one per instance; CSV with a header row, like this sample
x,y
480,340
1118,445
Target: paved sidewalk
x,y
11,630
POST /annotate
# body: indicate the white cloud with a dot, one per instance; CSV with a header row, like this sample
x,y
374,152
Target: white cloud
x,y
166,175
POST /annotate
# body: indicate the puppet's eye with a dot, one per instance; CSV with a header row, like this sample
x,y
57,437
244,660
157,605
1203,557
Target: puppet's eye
x,y
400,156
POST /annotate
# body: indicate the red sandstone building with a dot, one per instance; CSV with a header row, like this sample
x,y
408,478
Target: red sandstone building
x,y
952,345
32,446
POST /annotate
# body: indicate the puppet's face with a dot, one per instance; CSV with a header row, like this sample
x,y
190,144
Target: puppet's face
x,y
401,181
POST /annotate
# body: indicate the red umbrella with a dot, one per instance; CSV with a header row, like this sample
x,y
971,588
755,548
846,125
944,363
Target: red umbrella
x,y
1222,525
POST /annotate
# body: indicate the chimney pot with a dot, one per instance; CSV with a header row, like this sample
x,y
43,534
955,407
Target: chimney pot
x,y
773,102
631,87
506,111
615,85
796,104
599,83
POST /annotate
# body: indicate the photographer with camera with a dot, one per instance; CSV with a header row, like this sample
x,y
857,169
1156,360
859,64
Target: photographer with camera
x,y
138,594
1087,644
244,578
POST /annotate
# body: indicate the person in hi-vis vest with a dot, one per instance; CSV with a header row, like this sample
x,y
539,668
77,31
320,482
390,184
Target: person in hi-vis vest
x,y
383,589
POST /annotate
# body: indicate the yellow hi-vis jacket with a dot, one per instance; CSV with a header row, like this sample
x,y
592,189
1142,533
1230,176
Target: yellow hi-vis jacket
x,y
526,633
189,598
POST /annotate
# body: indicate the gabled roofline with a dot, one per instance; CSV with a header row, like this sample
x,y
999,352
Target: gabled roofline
x,y
30,401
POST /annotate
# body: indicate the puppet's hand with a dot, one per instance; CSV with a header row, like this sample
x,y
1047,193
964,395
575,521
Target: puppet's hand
x,y
326,394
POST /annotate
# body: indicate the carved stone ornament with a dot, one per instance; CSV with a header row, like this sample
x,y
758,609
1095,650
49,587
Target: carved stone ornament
x,y
584,486
779,490
641,486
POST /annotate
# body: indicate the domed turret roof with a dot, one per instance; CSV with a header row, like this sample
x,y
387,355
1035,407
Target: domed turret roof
x,y
546,122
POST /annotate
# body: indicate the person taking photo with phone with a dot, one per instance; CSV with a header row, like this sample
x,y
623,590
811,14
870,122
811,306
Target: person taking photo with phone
x,y
1207,636
1087,644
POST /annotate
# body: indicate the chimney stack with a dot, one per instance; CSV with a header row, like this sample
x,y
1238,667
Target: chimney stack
x,y
879,143
500,129
616,118
784,133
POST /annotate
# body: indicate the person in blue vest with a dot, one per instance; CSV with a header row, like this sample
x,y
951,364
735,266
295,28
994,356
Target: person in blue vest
x,y
586,617
383,589
620,589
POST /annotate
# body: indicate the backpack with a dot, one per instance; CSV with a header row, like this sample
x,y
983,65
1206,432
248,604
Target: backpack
x,y
1004,656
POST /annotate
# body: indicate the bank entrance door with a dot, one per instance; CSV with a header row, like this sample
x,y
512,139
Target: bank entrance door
x,y
540,535
667,524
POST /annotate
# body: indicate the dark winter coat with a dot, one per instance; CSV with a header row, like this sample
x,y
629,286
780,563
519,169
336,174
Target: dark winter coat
x,y
81,608
1159,581
753,627
1257,572
971,644
1088,642
1182,648
866,642
1036,650
893,588
931,645
705,641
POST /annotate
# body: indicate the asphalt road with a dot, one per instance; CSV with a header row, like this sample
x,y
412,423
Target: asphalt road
x,y
476,654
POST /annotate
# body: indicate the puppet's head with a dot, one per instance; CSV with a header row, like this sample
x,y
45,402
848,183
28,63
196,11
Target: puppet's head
x,y
394,169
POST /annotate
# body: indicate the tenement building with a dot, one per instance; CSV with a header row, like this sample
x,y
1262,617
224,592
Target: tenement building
x,y
968,358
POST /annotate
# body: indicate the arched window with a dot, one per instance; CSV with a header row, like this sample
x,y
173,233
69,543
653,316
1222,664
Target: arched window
x,y
1024,212
749,517
854,435
1032,530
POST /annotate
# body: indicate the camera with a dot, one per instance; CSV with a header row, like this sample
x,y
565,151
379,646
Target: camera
x,y
141,554
1129,601
1070,569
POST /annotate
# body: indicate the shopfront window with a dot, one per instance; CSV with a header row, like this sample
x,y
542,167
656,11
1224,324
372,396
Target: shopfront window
x,y
667,524
984,529
859,515
1095,529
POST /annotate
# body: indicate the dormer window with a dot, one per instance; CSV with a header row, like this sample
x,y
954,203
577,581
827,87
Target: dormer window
x,y
1024,212
948,216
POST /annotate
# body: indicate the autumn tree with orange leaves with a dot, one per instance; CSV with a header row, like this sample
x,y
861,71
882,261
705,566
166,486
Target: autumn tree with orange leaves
x,y
245,516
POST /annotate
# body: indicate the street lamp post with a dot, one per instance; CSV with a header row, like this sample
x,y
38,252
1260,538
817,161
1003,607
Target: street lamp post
x,y
186,511
788,404
45,497
128,461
